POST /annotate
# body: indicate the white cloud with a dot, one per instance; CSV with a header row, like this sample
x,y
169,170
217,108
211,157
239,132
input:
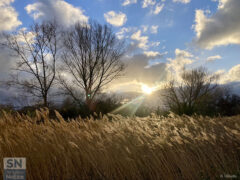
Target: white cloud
x,y
182,1
182,59
9,16
222,28
142,40
154,44
147,3
158,8
200,22
155,8
213,58
154,29
151,53
154,54
122,33
229,76
145,28
59,10
234,73
116,19
128,2
181,53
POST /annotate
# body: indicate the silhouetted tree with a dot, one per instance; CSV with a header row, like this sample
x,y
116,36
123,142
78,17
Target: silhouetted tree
x,y
37,50
195,94
91,58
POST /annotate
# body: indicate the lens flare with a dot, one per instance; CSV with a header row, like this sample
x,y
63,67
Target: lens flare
x,y
146,89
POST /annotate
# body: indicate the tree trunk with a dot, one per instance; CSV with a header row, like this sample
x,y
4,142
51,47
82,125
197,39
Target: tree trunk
x,y
89,103
45,101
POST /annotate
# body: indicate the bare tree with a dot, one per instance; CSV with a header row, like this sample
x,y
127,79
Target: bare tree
x,y
196,90
37,50
91,57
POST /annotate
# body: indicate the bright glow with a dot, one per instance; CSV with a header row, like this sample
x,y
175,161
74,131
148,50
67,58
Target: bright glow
x,y
146,89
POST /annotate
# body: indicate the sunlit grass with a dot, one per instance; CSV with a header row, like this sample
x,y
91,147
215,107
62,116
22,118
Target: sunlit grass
x,y
114,147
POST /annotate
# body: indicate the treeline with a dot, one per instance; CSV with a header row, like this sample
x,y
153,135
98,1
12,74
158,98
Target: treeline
x,y
225,105
77,63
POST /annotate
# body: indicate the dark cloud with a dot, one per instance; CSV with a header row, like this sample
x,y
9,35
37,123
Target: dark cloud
x,y
138,69
7,61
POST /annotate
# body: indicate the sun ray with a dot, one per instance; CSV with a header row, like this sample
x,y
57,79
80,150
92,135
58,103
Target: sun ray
x,y
137,101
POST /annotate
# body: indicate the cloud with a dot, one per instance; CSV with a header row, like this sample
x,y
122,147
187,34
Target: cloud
x,y
141,69
158,8
116,19
8,21
7,62
128,2
154,29
182,59
58,10
232,75
182,1
151,29
222,28
9,16
6,2
155,44
144,28
151,53
142,40
222,3
138,69
147,3
182,54
135,34
213,58
154,54
122,33
155,7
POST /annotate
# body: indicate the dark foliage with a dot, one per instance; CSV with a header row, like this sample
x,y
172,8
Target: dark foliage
x,y
229,105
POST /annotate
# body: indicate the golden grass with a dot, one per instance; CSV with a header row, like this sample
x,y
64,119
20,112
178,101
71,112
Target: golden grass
x,y
115,147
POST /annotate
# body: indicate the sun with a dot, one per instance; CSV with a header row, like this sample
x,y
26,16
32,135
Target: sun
x,y
146,89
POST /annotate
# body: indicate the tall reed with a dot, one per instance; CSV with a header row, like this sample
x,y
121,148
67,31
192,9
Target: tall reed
x,y
115,147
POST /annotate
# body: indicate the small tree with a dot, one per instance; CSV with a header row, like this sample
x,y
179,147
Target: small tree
x,y
37,50
91,58
194,94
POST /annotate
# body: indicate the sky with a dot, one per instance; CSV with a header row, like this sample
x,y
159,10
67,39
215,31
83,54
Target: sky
x,y
162,36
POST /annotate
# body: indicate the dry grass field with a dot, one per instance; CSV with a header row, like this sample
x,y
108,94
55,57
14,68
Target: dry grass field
x,y
114,147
